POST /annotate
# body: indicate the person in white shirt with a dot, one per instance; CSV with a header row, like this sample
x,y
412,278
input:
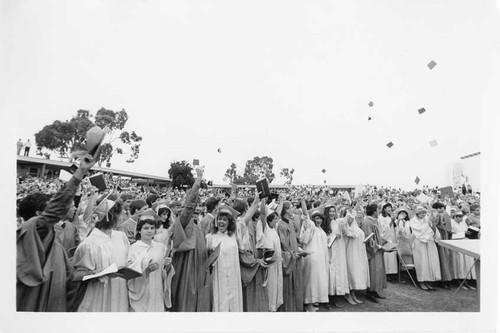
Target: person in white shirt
x,y
27,146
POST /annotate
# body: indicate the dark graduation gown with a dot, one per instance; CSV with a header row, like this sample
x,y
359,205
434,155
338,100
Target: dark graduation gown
x,y
376,265
43,269
293,291
253,276
442,224
191,284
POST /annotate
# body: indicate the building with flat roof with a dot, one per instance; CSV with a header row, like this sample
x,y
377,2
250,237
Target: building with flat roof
x,y
42,167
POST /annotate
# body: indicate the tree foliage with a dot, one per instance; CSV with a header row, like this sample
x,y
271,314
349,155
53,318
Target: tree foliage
x,y
181,174
259,167
255,169
65,137
288,174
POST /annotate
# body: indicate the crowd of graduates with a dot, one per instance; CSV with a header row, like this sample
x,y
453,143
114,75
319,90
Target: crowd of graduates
x,y
202,250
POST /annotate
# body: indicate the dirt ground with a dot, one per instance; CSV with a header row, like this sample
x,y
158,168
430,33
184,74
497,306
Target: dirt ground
x,y
404,297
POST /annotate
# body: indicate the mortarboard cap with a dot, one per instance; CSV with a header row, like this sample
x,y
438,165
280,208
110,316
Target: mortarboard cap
x,y
228,210
64,175
103,207
390,144
417,180
150,213
432,64
470,155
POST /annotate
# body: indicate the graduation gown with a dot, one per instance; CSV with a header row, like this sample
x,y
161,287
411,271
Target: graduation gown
x,y
442,224
275,271
388,233
227,292
425,253
191,283
99,251
376,263
293,292
146,292
337,264
315,267
253,276
357,260
43,270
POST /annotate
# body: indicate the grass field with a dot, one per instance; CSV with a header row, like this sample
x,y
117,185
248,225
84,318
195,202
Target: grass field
x,y
404,297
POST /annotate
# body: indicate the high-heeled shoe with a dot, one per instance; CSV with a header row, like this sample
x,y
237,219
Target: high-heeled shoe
x,y
349,299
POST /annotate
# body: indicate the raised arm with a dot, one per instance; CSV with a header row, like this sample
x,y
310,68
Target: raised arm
x,y
191,199
304,206
253,208
59,205
281,200
263,213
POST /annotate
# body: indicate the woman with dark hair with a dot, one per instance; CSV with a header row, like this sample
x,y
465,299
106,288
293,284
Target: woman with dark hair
x,y
275,271
375,252
165,227
404,236
293,296
103,247
226,276
315,269
388,233
338,279
146,292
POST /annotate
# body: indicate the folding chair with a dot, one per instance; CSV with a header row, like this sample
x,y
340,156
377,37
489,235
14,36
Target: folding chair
x,y
406,266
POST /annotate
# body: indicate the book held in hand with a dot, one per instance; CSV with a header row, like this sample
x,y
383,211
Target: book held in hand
x,y
472,232
268,254
126,273
212,258
65,175
98,181
263,188
111,269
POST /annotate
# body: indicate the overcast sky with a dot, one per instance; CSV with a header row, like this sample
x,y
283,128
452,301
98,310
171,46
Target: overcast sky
x,y
287,79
